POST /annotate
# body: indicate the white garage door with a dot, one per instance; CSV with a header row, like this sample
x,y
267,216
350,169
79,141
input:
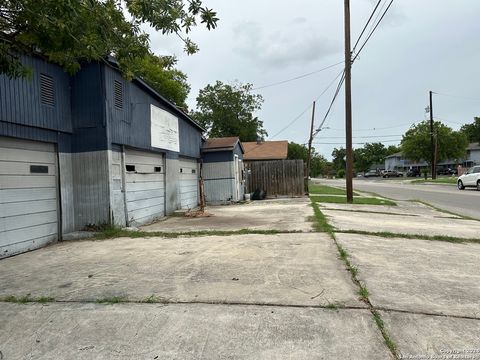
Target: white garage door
x,y
28,195
145,186
188,183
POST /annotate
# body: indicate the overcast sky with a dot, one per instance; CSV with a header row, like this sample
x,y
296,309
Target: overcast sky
x,y
421,46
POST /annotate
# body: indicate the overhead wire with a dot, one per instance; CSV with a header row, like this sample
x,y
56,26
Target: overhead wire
x,y
297,77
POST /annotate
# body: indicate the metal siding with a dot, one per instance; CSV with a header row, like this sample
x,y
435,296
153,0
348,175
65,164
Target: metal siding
x,y
188,184
145,189
217,156
117,186
28,202
219,181
20,98
67,196
91,188
131,125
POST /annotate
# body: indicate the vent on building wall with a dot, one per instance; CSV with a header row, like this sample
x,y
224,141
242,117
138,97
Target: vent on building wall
x,y
47,90
118,89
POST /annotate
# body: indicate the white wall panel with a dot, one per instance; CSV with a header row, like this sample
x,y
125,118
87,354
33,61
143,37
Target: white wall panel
x,y
188,183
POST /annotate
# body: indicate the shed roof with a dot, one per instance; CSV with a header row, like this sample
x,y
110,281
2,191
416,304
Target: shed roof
x,y
266,150
222,144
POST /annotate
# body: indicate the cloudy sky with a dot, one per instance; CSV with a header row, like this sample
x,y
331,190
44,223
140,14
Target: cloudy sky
x,y
420,46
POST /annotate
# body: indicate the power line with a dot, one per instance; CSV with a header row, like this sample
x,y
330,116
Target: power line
x,y
297,77
376,128
457,96
366,25
356,143
363,137
373,30
309,106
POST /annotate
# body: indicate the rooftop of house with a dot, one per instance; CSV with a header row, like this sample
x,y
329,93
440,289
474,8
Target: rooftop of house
x,y
473,146
266,150
221,144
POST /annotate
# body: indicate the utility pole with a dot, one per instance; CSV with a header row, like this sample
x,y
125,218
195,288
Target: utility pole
x,y
309,159
348,104
432,140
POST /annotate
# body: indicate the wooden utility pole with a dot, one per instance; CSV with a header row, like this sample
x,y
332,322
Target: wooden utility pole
x,y
309,159
432,140
348,104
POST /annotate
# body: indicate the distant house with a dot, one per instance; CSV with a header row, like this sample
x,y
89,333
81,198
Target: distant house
x,y
222,170
265,150
398,162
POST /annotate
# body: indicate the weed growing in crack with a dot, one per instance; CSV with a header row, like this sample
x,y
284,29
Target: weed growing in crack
x,y
111,300
27,299
363,292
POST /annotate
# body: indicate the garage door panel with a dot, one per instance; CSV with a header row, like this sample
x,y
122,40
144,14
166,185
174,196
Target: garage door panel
x,y
15,168
28,207
23,221
28,201
146,194
145,203
145,188
20,195
27,181
27,156
28,234
151,212
188,184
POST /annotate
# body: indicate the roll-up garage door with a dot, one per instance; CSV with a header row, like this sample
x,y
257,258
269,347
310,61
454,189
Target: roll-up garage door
x,y
188,183
28,195
145,186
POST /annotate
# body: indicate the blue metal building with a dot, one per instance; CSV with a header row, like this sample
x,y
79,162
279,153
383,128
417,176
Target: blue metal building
x,y
89,149
222,170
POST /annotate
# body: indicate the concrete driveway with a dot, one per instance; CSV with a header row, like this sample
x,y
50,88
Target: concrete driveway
x,y
255,296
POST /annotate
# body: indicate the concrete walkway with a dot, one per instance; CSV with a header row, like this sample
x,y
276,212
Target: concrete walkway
x,y
283,296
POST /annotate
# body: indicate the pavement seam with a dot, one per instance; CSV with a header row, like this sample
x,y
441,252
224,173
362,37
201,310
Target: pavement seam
x,y
426,313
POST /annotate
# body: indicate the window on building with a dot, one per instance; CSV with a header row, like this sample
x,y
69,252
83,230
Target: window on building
x,y
118,94
38,169
181,170
130,168
194,171
157,169
47,90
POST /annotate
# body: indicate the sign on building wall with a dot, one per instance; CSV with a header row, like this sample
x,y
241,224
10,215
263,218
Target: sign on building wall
x,y
164,129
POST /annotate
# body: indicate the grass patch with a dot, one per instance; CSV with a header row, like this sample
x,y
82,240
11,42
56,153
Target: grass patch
x,y
363,292
335,306
442,180
115,232
111,300
154,300
321,224
381,325
387,234
27,299
372,212
356,200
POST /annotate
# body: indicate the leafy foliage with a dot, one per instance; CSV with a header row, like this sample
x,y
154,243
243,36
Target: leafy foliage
x,y
339,156
228,110
472,131
69,32
416,142
318,164
369,154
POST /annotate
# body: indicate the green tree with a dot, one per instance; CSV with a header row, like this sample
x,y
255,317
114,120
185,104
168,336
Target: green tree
x,y
339,156
69,32
297,151
318,164
450,144
392,149
472,131
228,110
369,154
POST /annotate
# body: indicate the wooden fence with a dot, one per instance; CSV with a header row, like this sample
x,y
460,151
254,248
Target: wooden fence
x,y
276,177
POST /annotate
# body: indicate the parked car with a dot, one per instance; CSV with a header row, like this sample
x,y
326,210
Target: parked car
x,y
470,179
372,173
391,173
447,171
414,172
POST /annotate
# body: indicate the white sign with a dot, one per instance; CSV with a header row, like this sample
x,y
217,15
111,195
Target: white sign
x,y
164,129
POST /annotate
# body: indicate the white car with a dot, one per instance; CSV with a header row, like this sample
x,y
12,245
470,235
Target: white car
x,y
470,179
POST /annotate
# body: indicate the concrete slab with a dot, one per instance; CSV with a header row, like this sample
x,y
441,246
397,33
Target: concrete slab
x,y
418,275
433,337
429,223
281,214
76,331
287,269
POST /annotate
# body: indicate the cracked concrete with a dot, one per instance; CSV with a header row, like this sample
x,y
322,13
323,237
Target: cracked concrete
x,y
417,275
73,331
288,269
289,214
426,222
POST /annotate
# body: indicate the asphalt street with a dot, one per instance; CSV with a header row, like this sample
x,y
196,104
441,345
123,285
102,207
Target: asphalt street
x,y
447,197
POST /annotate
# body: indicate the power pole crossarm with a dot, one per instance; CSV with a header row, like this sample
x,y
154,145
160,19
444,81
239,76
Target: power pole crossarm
x,y
348,105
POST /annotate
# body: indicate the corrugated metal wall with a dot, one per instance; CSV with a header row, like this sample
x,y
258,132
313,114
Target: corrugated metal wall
x,y
131,125
218,181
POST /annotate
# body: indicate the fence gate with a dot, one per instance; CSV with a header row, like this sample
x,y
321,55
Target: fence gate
x,y
276,177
